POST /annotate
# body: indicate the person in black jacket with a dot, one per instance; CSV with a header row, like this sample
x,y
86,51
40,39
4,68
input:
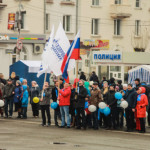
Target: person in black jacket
x,y
82,76
94,77
131,98
112,104
8,97
81,94
137,83
34,92
54,98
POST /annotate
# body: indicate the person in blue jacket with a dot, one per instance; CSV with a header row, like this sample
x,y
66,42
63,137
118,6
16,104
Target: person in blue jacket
x,y
24,101
17,97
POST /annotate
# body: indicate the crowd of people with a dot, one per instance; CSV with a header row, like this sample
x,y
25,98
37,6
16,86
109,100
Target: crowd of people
x,y
74,99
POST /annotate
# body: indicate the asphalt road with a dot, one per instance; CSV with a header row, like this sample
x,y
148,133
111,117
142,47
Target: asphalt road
x,y
29,135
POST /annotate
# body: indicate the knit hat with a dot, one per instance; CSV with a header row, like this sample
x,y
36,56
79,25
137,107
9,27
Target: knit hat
x,y
18,82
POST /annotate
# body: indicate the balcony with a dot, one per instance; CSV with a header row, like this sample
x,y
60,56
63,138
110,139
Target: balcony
x,y
67,2
120,11
2,5
49,1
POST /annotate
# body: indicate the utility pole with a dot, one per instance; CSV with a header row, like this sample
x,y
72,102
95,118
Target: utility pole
x,y
19,27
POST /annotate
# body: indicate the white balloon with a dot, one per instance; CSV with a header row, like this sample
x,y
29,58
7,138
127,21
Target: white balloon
x,y
92,108
124,104
146,114
1,103
102,105
58,102
85,113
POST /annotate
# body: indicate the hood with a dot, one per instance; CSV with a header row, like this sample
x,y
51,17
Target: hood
x,y
142,89
24,87
86,84
76,80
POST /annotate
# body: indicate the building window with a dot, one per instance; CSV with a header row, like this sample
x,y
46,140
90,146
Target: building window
x,y
95,2
95,24
23,14
67,23
117,26
137,4
118,1
137,27
47,21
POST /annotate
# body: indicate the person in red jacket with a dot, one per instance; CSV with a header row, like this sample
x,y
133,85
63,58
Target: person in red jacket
x,y
64,103
142,102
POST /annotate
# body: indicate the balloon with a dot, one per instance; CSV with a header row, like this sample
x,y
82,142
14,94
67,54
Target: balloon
x,y
54,105
43,94
21,79
85,113
106,111
86,105
58,102
101,110
146,114
1,103
35,100
125,115
92,108
118,95
102,105
75,112
124,104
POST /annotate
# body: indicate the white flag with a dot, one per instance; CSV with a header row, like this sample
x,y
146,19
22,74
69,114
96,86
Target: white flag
x,y
58,50
44,64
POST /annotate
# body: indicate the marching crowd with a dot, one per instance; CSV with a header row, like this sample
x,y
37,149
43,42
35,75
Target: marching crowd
x,y
73,101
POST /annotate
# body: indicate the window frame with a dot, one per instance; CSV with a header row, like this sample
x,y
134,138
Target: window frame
x,y
117,2
137,27
47,22
23,20
117,31
65,23
94,2
139,3
93,25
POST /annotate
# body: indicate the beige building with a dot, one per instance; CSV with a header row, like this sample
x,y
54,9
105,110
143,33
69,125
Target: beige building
x,y
108,26
32,31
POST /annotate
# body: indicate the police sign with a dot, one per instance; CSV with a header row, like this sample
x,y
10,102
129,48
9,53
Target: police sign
x,y
107,56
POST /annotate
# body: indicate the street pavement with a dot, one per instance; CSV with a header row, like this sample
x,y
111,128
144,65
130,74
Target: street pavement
x,y
20,134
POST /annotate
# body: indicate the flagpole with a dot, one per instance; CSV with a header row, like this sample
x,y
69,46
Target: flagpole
x,y
58,86
76,74
43,85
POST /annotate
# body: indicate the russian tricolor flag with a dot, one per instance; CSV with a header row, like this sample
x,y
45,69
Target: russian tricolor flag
x,y
72,53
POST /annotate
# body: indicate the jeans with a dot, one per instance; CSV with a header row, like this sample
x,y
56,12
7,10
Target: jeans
x,y
142,124
8,102
35,109
57,115
129,118
94,118
45,108
120,114
64,110
80,111
24,112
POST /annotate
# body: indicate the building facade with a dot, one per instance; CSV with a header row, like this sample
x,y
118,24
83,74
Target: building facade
x,y
110,28
32,31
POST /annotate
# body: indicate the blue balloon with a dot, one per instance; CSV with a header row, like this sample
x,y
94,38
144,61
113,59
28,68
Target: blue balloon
x,y
86,105
106,111
125,115
21,79
43,94
101,110
54,105
118,95
75,112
